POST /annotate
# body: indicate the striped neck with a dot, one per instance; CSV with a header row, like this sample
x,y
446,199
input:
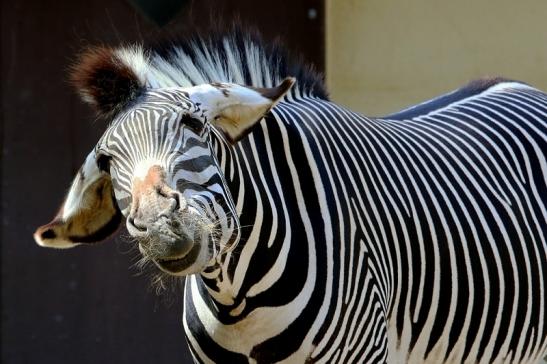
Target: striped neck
x,y
241,279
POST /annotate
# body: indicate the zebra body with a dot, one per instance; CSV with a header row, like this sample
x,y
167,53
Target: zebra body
x,y
338,238
406,219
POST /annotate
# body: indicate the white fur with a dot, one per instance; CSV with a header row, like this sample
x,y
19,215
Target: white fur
x,y
135,58
208,66
74,199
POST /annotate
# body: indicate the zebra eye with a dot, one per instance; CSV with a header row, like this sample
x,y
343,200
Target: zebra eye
x,y
194,124
103,162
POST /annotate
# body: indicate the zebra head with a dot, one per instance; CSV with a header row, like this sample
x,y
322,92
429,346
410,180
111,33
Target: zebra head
x,y
155,164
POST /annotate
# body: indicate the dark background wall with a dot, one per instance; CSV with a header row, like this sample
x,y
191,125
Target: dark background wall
x,y
87,305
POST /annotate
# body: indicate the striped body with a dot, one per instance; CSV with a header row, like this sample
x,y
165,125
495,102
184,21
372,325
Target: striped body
x,y
384,240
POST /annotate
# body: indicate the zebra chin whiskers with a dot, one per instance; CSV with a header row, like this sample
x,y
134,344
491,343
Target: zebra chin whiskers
x,y
164,285
167,286
140,262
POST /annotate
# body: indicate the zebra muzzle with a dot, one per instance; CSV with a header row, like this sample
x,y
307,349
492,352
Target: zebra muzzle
x,y
169,231
153,202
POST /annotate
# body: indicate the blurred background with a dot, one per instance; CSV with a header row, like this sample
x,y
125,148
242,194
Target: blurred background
x,y
385,55
87,305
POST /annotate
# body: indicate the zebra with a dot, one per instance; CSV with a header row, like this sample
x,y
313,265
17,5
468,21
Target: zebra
x,y
306,232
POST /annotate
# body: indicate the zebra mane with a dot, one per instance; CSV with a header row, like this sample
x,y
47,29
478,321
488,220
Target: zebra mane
x,y
232,57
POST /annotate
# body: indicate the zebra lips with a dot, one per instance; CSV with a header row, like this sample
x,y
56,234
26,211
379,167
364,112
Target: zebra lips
x,y
178,265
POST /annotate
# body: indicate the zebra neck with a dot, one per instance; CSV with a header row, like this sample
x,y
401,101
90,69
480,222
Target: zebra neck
x,y
244,276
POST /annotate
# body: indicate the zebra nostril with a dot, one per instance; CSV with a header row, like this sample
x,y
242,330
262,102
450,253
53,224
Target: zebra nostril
x,y
180,202
135,226
176,198
174,204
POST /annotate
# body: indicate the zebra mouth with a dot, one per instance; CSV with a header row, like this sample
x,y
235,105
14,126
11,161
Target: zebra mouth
x,y
174,265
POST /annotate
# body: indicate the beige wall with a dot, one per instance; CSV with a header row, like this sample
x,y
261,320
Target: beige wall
x,y
385,55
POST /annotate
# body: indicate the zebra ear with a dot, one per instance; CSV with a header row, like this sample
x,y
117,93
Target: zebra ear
x,y
89,214
236,109
108,78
